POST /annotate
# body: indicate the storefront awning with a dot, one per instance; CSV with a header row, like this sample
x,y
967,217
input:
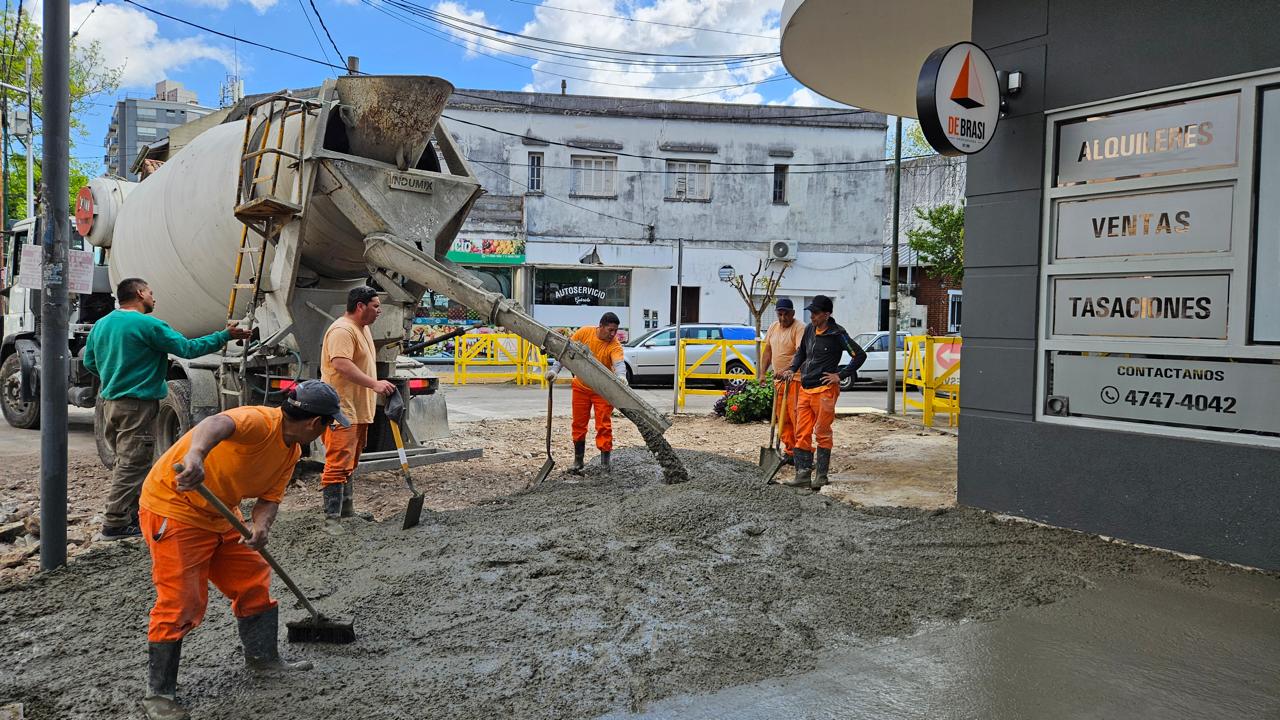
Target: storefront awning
x,y
868,53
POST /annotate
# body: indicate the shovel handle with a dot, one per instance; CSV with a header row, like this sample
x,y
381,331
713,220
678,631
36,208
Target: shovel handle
x,y
222,508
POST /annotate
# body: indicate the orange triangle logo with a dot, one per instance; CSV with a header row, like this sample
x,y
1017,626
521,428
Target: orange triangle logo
x,y
967,92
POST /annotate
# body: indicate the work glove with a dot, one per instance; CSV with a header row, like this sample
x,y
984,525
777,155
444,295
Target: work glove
x,y
550,376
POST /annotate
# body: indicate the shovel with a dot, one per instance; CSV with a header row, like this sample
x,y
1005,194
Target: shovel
x,y
771,456
549,463
395,412
317,628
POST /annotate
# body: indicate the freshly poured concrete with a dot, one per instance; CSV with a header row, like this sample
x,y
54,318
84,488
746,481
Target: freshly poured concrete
x,y
1140,647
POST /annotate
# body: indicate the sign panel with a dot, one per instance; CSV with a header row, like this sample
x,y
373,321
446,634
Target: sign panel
x,y
1199,393
487,251
1187,221
79,276
412,183
1164,306
958,99
84,211
1184,136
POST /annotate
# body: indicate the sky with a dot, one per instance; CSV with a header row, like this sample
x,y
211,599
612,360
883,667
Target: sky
x,y
149,48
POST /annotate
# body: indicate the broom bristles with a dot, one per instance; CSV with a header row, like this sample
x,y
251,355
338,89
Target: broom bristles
x,y
324,630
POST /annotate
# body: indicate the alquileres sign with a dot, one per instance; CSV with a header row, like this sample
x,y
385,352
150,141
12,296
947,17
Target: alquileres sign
x,y
958,99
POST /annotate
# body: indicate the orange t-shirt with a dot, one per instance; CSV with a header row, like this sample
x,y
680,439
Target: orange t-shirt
x,y
608,353
783,343
253,463
344,339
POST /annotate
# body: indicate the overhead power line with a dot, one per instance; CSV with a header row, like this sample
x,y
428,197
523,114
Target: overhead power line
x,y
228,36
678,158
314,34
92,10
328,34
834,112
645,22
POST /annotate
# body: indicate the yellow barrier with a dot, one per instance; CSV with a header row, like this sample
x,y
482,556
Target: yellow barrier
x,y
724,351
933,365
533,365
489,350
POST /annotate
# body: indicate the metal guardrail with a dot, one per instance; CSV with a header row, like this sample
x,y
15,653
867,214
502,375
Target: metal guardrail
x,y
933,366
717,353
517,358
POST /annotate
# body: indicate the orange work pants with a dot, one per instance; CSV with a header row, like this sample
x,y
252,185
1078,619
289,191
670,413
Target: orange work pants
x,y
184,560
816,412
787,411
342,447
584,400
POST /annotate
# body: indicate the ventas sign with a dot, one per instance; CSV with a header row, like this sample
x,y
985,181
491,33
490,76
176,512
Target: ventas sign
x,y
958,99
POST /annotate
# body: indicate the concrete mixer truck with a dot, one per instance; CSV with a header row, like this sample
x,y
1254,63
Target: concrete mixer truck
x,y
270,218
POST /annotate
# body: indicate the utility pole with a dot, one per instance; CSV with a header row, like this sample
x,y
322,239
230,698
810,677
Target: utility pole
x,y
891,380
53,297
675,379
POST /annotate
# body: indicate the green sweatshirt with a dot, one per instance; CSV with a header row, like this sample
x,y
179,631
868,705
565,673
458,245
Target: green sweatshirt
x,y
129,351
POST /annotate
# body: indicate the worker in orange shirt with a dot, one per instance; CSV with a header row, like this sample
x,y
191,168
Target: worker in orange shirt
x,y
245,452
817,364
780,343
602,341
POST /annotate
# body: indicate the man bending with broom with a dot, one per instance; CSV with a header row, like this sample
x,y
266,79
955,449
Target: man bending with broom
x,y
245,452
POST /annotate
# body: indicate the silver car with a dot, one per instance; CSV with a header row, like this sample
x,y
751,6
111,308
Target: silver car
x,y
651,357
876,368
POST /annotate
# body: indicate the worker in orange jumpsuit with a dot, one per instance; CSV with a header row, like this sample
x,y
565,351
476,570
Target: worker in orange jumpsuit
x,y
817,364
602,341
245,452
780,343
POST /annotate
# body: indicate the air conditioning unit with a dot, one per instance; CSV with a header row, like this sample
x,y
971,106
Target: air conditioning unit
x,y
784,250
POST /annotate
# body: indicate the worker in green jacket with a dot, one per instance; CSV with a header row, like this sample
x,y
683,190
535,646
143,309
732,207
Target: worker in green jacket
x,y
129,352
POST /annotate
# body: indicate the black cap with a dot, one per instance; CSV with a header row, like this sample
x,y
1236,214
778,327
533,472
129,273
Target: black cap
x,y
318,398
785,304
820,303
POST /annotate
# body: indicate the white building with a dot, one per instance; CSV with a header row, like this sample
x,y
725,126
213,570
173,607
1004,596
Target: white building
x,y
589,198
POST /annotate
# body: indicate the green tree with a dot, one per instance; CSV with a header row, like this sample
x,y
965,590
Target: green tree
x,y
940,241
90,76
15,196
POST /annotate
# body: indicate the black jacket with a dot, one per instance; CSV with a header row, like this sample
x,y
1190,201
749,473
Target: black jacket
x,y
820,354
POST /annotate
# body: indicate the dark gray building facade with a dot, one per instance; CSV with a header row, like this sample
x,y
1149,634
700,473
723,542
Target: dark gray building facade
x,y
1120,372
136,122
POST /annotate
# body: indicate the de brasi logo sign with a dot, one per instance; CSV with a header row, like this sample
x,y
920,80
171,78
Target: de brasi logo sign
x,y
958,99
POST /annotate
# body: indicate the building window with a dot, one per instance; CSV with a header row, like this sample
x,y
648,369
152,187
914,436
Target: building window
x,y
610,288
594,176
535,172
144,131
688,180
954,298
146,112
779,184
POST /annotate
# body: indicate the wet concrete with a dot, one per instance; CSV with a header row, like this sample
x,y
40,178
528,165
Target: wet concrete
x,y
593,596
1133,648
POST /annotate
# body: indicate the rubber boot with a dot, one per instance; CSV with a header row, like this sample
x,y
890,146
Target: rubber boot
x,y
333,501
579,456
821,464
161,701
259,634
604,461
804,469
349,502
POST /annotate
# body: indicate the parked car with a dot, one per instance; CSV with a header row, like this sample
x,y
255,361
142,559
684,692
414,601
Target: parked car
x,y
876,368
651,357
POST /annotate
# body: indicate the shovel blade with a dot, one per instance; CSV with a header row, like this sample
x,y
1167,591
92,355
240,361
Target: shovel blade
x,y
413,513
545,471
770,465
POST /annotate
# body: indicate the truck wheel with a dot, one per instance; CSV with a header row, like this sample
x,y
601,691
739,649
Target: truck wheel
x,y
106,452
173,419
18,413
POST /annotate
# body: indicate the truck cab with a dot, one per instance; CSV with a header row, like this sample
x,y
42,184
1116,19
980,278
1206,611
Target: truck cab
x,y
19,326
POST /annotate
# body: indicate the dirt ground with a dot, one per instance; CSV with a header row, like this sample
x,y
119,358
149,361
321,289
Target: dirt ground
x,y
583,596
878,461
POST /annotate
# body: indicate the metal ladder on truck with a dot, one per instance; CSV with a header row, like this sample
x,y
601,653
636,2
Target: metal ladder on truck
x,y
263,214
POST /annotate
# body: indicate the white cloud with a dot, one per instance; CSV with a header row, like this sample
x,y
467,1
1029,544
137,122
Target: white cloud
x,y
130,39
460,12
756,21
260,5
804,97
